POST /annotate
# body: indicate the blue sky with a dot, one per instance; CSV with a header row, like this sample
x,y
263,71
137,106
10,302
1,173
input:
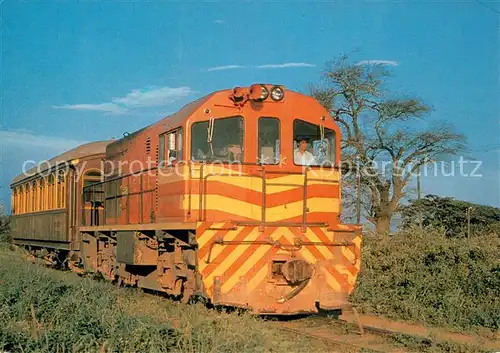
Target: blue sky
x,y
74,72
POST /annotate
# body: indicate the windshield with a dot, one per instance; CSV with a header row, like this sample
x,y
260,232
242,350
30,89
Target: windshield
x,y
269,141
218,140
309,148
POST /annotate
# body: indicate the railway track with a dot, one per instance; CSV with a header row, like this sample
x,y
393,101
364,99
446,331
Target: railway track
x,y
345,336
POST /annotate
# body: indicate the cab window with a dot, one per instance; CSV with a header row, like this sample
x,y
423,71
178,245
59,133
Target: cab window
x,y
170,148
309,148
269,141
219,139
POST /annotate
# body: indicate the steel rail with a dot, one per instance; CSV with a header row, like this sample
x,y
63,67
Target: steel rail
x,y
337,342
383,331
362,330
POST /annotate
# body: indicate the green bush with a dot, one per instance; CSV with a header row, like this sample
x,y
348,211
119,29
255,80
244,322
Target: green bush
x,y
425,276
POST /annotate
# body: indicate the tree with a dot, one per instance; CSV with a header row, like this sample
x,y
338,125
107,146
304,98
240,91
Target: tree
x,y
383,137
451,214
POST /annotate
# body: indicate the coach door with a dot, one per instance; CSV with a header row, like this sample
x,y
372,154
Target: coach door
x,y
93,198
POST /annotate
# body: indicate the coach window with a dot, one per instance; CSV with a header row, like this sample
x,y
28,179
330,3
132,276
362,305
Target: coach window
x,y
269,141
314,145
22,199
170,148
20,196
34,196
50,192
61,190
13,200
28,197
19,200
219,139
41,202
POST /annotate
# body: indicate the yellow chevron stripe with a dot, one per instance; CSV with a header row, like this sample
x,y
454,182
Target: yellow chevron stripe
x,y
258,278
332,282
243,180
347,252
343,271
243,270
322,249
228,261
248,210
238,249
357,241
205,237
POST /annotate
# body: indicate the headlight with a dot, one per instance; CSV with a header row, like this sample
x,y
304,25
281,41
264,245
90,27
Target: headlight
x,y
277,93
258,92
264,93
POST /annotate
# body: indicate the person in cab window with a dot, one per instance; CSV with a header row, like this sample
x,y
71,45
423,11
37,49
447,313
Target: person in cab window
x,y
301,155
172,157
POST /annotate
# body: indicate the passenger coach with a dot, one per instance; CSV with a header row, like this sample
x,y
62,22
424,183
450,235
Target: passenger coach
x,y
235,198
46,199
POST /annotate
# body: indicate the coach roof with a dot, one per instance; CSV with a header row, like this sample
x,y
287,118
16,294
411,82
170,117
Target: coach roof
x,y
88,149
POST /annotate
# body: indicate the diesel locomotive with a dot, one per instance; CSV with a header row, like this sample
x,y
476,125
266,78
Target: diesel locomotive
x,y
235,198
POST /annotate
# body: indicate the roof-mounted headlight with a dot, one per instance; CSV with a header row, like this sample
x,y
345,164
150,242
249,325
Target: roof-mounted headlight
x,y
259,92
277,93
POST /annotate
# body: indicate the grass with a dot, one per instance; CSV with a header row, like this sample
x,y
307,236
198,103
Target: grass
x,y
423,276
43,310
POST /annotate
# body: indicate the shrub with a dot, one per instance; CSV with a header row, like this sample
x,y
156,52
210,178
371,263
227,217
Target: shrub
x,y
424,276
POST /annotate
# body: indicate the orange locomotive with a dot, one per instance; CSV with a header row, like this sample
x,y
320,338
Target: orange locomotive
x,y
235,198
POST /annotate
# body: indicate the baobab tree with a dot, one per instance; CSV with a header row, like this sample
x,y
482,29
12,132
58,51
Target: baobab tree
x,y
385,139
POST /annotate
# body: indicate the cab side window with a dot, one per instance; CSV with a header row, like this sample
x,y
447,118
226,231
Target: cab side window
x,y
170,148
313,145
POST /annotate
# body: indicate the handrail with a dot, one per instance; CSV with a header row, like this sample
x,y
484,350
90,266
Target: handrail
x,y
122,176
262,175
202,190
263,207
200,201
304,202
273,243
92,189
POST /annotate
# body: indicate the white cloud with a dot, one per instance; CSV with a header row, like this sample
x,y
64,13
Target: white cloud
x,y
265,66
285,65
225,67
218,21
378,62
102,107
26,139
137,98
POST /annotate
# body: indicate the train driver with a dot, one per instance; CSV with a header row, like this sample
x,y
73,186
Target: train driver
x,y
301,155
